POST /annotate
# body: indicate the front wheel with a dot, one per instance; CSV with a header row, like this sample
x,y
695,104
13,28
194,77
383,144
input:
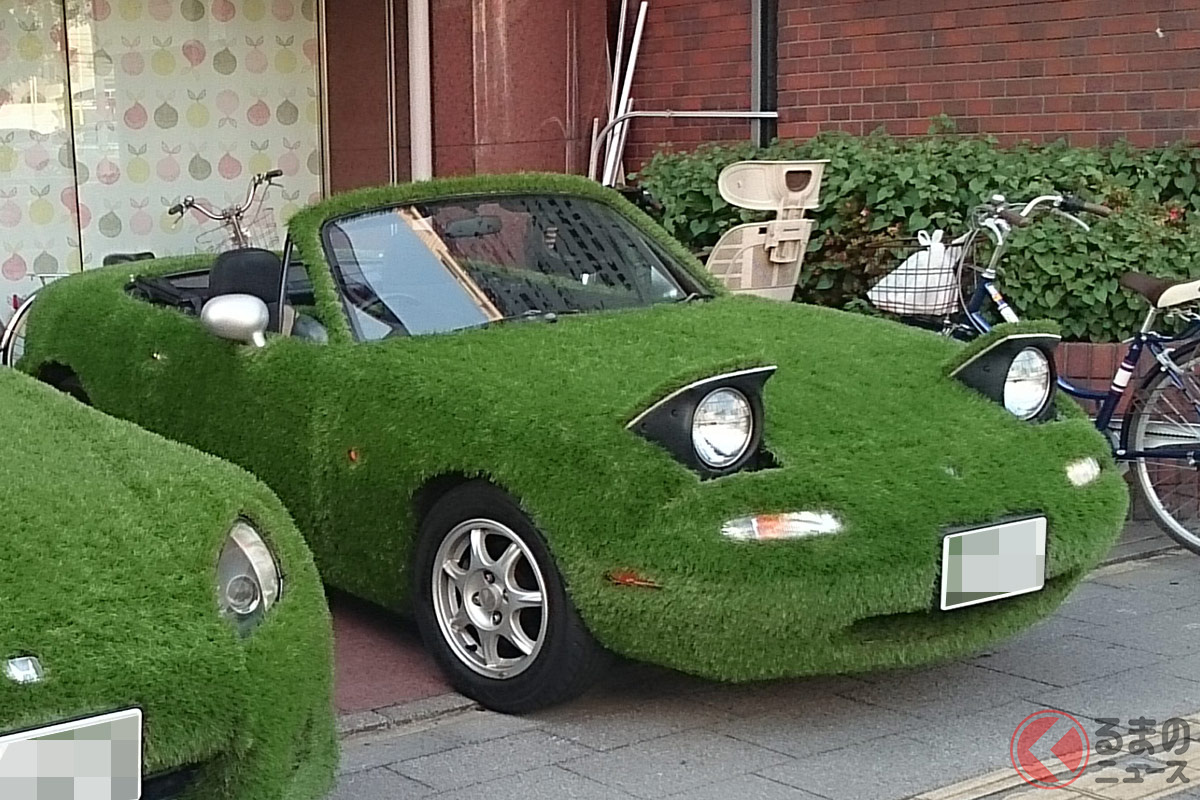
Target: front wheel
x,y
492,607
1166,414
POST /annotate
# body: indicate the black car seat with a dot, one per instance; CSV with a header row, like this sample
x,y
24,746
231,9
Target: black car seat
x,y
126,258
256,272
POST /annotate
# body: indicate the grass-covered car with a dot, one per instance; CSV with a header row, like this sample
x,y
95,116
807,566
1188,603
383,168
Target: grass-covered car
x,y
160,618
517,407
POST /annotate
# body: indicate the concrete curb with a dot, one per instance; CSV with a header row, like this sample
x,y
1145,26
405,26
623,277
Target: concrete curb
x,y
424,710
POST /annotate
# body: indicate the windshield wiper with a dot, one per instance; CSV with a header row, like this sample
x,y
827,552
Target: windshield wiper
x,y
531,315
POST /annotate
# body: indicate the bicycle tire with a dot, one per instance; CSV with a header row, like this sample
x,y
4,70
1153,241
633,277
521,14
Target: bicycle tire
x,y
1161,481
12,339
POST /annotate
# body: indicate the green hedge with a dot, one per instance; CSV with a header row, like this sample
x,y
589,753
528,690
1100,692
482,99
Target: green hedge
x,y
879,189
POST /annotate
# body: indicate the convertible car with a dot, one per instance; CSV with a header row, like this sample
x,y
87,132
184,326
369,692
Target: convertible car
x,y
516,407
163,632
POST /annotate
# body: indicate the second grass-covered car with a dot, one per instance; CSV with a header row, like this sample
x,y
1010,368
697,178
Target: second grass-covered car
x,y
163,632
517,407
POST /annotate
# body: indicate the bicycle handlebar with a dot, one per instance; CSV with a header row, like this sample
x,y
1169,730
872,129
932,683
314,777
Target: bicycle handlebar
x,y
234,211
1074,204
1014,219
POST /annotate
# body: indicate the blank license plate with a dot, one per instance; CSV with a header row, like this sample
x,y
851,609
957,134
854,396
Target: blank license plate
x,y
993,562
88,759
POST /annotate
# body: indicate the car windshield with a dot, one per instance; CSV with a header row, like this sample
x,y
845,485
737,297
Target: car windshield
x,y
447,265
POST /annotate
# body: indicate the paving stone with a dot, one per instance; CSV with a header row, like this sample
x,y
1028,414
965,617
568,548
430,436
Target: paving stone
x,y
1185,666
748,787
953,690
674,764
544,783
1067,661
611,720
1149,691
378,784
887,768
1104,605
480,726
750,699
1166,634
487,761
827,723
1149,573
980,740
389,747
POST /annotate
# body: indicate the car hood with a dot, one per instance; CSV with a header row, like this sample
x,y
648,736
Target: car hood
x,y
108,557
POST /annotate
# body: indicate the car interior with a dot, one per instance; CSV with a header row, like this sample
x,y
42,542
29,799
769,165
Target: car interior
x,y
252,271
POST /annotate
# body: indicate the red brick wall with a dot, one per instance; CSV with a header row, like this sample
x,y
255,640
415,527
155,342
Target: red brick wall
x,y
1088,70
695,56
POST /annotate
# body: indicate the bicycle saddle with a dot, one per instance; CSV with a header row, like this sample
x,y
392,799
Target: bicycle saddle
x,y
1162,292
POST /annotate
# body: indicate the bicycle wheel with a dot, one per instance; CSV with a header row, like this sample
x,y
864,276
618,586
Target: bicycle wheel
x,y
12,339
1165,414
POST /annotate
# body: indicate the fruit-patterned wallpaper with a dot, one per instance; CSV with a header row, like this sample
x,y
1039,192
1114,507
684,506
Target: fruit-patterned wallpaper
x,y
164,98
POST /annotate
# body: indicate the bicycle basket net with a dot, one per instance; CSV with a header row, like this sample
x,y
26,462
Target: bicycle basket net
x,y
926,283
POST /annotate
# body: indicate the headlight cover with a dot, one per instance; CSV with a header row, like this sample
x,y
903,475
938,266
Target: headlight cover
x,y
248,579
722,427
1028,383
713,426
1016,371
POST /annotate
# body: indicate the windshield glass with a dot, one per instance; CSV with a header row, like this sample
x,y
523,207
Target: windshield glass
x,y
460,263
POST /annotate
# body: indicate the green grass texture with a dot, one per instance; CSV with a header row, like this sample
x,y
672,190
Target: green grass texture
x,y
108,555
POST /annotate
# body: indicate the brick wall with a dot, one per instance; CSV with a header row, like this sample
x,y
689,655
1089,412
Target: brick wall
x,y
695,56
1088,70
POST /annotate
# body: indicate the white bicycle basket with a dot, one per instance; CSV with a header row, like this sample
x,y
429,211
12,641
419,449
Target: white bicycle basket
x,y
926,283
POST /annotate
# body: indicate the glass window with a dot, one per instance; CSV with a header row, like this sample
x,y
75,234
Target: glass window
x,y
455,264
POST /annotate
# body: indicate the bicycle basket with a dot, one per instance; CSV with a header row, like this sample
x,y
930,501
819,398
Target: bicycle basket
x,y
261,230
927,282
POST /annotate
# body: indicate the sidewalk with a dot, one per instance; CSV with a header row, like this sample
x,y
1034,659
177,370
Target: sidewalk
x,y
1125,645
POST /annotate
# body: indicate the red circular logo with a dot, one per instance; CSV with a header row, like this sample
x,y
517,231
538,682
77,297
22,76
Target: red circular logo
x,y
1049,749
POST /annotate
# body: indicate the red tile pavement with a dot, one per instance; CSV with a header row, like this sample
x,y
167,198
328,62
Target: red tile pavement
x,y
379,658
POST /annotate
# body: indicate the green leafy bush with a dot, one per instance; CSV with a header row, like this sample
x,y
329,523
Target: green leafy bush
x,y
879,189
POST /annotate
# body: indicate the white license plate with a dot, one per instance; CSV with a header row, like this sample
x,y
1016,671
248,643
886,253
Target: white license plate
x,y
88,759
993,562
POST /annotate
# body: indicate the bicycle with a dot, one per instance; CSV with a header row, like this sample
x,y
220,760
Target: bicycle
x,y
1159,436
234,229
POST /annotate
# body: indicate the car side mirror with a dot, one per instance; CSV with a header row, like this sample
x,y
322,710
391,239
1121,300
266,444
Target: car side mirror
x,y
237,317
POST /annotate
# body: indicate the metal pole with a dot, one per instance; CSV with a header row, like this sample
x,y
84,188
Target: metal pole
x,y
606,131
420,90
614,156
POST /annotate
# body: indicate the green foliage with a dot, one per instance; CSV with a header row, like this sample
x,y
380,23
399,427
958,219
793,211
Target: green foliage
x,y
108,557
879,189
860,416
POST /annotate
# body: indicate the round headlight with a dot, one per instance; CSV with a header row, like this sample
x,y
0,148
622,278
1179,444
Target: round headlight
x,y
722,428
1028,383
248,580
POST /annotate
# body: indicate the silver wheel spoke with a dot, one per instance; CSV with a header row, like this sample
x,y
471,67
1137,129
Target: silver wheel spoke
x,y
479,553
456,573
459,621
519,598
511,630
489,646
506,565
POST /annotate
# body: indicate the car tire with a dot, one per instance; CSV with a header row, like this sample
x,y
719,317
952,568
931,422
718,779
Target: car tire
x,y
478,564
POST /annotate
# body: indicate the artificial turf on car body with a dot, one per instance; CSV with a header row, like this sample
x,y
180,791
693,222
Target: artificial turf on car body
x,y
108,558
861,417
